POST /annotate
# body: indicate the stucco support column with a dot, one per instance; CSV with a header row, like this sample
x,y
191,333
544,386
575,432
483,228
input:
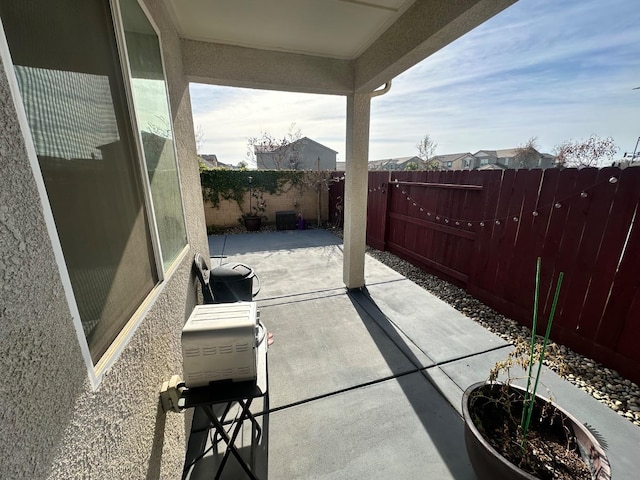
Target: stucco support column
x,y
355,189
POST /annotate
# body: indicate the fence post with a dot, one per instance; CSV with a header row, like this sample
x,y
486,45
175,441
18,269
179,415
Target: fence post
x,y
385,211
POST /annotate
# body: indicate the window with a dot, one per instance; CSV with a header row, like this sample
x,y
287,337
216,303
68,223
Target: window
x,y
153,118
66,61
484,161
449,164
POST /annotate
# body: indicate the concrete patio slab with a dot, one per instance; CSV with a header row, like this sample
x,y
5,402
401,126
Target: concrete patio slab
x,y
452,378
253,449
325,345
396,429
368,384
270,241
438,329
286,269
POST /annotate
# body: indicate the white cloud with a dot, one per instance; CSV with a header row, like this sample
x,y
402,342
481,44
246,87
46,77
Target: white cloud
x,y
555,70
238,114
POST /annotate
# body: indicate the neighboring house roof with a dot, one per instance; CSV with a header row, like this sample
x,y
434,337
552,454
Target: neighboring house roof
x,y
485,153
450,157
309,140
507,153
211,161
489,157
390,163
208,164
303,140
393,163
492,166
300,154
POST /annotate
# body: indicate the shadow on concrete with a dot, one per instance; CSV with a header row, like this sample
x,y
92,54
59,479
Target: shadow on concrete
x,y
439,419
205,450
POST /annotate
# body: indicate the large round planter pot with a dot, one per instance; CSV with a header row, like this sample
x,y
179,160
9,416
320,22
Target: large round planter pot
x,y
491,465
252,224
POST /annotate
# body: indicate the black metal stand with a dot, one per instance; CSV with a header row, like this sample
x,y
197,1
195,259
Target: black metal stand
x,y
228,393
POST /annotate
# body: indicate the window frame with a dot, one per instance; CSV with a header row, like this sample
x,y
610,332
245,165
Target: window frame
x,y
123,55
96,371
119,343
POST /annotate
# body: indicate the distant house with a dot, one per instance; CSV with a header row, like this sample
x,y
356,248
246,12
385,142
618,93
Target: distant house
x,y
211,161
547,160
456,161
303,154
395,164
491,166
485,158
493,159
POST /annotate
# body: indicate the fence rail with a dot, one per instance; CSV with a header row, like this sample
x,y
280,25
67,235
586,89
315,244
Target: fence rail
x,y
484,230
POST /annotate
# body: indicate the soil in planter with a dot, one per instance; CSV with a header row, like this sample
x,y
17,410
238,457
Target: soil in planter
x,y
551,451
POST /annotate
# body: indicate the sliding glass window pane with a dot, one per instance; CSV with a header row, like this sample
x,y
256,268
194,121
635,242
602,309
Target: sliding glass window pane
x,y
71,85
154,121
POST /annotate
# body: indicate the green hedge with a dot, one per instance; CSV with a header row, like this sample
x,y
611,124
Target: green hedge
x,y
234,184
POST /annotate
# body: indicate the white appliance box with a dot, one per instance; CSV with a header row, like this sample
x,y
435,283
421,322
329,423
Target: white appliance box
x,y
219,343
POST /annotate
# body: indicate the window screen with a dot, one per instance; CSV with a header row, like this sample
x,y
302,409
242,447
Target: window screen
x,y
70,80
154,123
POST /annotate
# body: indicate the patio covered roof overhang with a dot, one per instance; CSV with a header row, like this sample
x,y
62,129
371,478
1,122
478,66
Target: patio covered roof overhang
x,y
335,47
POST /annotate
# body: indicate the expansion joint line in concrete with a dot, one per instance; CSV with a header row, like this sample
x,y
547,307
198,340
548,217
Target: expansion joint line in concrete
x,y
337,392
381,380
413,360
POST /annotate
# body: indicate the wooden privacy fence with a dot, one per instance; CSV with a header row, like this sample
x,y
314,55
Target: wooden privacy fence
x,y
484,230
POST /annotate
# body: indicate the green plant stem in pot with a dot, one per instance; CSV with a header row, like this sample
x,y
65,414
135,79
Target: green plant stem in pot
x,y
513,433
530,394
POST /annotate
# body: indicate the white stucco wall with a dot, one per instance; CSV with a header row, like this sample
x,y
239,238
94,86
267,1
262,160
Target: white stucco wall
x,y
53,424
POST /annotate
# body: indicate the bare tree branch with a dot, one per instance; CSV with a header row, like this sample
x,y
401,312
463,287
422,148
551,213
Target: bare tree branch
x,y
285,153
588,152
426,149
527,155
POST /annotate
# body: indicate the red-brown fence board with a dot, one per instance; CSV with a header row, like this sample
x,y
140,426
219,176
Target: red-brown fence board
x,y
454,205
508,241
599,307
377,209
458,249
520,279
611,248
567,254
454,244
336,197
628,346
440,237
542,221
602,196
555,231
502,235
626,284
491,182
411,229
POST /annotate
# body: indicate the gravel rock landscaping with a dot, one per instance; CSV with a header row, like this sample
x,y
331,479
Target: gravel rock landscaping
x,y
605,385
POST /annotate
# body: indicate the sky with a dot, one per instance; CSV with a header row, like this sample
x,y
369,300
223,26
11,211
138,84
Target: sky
x,y
553,69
